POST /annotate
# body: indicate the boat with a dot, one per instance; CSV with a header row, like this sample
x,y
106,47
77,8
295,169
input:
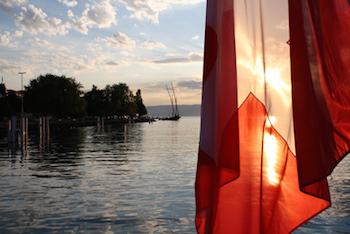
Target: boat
x,y
174,109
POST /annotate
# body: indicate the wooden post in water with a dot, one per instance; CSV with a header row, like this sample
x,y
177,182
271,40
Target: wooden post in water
x,y
12,130
42,131
98,124
24,132
47,131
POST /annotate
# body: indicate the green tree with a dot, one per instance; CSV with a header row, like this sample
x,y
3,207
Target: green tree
x,y
56,95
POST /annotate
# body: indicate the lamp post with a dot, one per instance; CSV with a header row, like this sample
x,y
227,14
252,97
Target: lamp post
x,y
22,73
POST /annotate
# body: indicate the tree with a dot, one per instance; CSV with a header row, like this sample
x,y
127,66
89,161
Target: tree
x,y
5,107
55,95
120,100
96,103
141,109
117,99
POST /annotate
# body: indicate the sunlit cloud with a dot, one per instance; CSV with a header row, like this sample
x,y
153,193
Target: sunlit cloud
x,y
43,62
150,9
46,44
119,40
150,45
33,20
101,15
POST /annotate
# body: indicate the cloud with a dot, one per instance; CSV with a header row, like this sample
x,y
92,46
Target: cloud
x,y
119,40
46,44
7,39
150,9
61,61
34,21
100,14
150,45
6,67
195,37
193,57
122,41
190,84
69,3
5,4
112,63
283,25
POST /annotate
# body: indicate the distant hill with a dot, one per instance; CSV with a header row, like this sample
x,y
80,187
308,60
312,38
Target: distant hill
x,y
165,110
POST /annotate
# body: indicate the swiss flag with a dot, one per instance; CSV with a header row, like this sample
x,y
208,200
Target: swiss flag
x,y
275,117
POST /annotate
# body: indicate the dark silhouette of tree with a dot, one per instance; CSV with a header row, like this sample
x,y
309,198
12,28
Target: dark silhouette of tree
x,y
5,107
55,95
96,105
141,109
115,99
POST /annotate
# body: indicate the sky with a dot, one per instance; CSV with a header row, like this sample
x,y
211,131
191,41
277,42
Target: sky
x,y
146,44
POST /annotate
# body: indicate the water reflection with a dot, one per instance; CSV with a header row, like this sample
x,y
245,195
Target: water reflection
x,y
122,179
119,178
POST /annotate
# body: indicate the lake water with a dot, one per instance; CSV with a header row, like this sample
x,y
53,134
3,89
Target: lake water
x,y
121,179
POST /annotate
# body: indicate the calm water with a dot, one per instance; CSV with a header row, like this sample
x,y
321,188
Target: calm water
x,y
125,179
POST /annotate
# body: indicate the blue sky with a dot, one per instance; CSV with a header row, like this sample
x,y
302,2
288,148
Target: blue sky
x,y
146,44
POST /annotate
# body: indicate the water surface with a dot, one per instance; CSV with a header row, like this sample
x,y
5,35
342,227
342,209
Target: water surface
x,y
136,178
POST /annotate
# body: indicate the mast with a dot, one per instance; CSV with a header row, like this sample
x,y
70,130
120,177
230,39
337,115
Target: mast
x,y
175,99
171,100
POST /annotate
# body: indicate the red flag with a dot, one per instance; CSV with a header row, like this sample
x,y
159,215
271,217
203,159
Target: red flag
x,y
247,174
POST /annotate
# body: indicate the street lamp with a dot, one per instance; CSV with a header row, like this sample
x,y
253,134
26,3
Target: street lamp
x,y
22,73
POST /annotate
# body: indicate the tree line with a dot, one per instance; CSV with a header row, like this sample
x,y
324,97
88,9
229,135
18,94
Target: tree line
x,y
62,96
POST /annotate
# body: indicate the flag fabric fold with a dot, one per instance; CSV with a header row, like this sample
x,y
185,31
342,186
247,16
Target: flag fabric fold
x,y
258,171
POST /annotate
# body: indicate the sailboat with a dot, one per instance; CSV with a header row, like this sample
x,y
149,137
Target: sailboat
x,y
174,109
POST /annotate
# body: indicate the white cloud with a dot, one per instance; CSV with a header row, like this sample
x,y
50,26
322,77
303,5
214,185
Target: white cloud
x,y
8,39
79,24
150,9
60,61
125,53
119,40
69,3
11,3
47,45
101,15
5,38
6,67
18,34
150,45
195,37
34,20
